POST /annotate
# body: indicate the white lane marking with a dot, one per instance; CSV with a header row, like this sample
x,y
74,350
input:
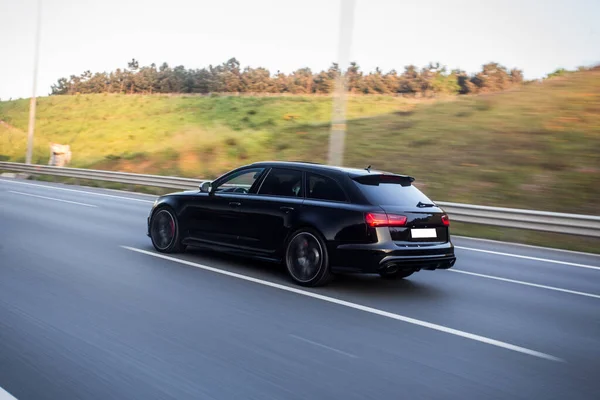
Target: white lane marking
x,y
526,245
52,198
355,306
117,191
79,191
4,395
525,283
323,346
529,258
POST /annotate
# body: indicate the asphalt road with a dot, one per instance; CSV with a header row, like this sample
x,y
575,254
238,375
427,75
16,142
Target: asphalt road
x,y
88,311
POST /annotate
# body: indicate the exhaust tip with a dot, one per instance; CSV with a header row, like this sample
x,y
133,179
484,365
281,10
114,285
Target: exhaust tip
x,y
391,269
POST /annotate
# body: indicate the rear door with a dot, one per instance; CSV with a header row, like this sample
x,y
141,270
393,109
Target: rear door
x,y
425,222
267,217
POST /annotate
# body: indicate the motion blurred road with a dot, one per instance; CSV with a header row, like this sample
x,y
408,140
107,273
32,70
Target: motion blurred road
x,y
89,311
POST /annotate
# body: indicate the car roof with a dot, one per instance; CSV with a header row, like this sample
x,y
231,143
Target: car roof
x,y
309,166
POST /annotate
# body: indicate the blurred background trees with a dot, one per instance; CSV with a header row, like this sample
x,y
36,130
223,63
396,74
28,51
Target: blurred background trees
x,y
229,77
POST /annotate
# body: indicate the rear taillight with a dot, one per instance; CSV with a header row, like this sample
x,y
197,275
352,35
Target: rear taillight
x,y
445,220
381,219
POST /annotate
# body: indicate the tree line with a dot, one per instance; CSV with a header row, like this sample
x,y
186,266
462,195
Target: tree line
x,y
229,77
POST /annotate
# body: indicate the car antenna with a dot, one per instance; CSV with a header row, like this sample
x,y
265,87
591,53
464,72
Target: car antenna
x,y
368,169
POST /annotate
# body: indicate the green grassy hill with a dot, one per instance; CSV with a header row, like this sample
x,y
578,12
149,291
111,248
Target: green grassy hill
x,y
169,134
536,147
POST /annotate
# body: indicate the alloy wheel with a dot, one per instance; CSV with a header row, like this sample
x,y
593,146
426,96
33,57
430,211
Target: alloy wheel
x,y
163,229
304,257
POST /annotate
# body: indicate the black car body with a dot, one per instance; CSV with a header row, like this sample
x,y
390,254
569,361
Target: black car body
x,y
339,219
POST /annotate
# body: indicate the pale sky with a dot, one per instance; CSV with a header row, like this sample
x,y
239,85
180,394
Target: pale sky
x,y
77,35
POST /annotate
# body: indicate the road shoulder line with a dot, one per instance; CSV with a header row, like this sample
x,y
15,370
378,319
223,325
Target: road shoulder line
x,y
537,285
581,253
78,191
52,198
499,253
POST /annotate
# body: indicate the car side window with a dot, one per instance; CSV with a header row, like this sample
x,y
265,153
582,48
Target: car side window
x,y
282,182
323,188
239,182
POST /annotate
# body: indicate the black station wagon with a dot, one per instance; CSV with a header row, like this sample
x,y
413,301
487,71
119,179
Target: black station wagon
x,y
317,220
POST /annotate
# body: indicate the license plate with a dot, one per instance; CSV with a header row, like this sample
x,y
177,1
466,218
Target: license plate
x,y
423,233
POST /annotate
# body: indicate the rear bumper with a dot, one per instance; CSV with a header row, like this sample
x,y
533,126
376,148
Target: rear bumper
x,y
415,264
388,256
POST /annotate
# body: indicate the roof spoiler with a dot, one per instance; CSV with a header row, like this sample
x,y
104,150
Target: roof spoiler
x,y
376,179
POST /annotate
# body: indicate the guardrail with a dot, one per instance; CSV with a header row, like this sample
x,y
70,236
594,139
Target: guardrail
x,y
170,182
575,224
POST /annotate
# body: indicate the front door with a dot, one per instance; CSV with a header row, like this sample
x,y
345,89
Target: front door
x,y
215,218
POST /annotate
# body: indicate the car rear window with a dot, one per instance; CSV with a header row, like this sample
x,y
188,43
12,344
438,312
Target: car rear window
x,y
392,194
324,188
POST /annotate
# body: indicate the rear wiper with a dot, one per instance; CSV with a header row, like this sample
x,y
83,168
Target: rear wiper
x,y
421,205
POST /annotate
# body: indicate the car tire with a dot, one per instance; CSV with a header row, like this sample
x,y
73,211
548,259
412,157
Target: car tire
x,y
394,276
306,258
164,231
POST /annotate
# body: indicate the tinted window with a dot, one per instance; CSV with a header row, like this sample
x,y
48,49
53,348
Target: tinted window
x,y
393,194
324,188
240,182
282,182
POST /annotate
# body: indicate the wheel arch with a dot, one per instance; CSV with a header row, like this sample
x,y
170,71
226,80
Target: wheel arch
x,y
174,203
295,228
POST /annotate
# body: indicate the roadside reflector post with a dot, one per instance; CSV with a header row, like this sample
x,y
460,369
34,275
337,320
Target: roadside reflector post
x,y
32,102
340,96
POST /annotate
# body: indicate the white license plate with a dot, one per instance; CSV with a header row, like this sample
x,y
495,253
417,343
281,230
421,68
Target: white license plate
x,y
423,233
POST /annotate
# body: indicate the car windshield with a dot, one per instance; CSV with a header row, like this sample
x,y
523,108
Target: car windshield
x,y
393,194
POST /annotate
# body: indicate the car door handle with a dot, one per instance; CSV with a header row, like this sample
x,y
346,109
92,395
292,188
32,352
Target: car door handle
x,y
235,203
286,209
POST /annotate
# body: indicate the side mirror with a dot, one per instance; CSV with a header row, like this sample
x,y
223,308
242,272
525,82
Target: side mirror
x,y
206,187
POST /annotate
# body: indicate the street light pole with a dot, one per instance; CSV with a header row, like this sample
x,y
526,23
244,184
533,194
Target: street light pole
x,y
32,102
338,117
